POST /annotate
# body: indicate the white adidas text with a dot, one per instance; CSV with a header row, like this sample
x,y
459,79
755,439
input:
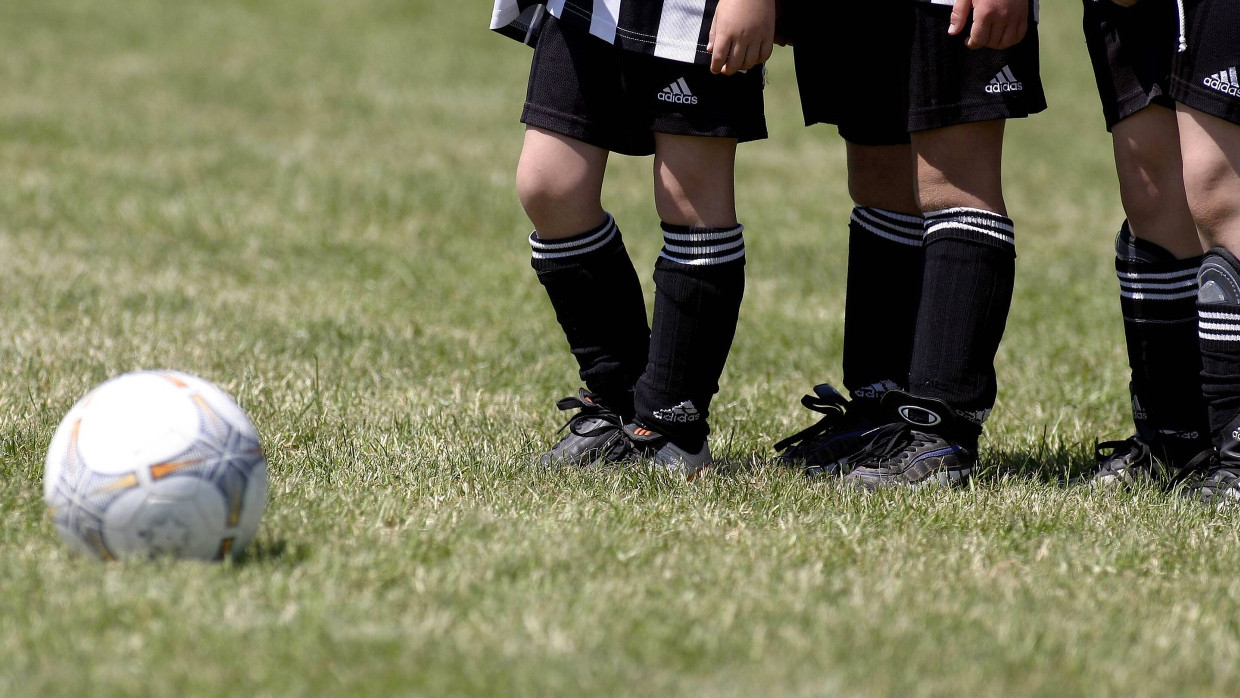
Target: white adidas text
x,y
1004,81
1005,87
1225,88
677,99
678,93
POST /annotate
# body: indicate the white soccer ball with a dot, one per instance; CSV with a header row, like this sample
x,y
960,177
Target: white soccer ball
x,y
156,464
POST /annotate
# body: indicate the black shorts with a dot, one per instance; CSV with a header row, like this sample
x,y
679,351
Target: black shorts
x,y
1204,74
585,88
1131,49
914,79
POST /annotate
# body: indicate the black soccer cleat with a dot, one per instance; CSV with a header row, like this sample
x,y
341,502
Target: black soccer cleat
x,y
644,444
1209,480
595,433
1125,462
826,447
925,444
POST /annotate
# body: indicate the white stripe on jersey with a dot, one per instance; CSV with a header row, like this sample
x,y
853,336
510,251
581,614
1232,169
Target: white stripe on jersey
x,y
504,13
679,28
605,19
671,29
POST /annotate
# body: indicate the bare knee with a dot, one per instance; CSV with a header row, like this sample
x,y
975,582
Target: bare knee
x,y
559,183
1213,197
544,191
1210,150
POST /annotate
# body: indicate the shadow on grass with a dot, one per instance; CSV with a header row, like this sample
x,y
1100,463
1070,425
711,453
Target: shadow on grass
x,y
1054,464
265,551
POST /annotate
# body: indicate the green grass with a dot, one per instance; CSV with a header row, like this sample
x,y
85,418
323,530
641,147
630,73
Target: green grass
x,y
311,204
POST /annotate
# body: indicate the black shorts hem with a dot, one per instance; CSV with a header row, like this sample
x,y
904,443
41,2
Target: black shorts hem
x,y
1124,108
684,127
580,129
958,114
1206,101
866,135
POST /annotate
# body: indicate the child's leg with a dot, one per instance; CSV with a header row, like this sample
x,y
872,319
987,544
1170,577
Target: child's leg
x,y
844,80
1157,251
1157,255
884,270
1151,181
560,183
966,290
969,268
1211,149
699,280
1203,83
880,309
582,263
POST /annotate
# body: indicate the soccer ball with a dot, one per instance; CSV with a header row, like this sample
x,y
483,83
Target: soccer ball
x,y
156,464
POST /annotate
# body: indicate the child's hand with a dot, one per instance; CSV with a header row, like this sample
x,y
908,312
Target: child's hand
x,y
996,23
742,34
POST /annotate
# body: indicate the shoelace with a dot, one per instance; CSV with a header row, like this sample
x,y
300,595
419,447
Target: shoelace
x,y
1201,464
588,410
894,439
1108,453
831,407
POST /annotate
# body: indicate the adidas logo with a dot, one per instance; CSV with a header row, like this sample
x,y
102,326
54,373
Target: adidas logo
x,y
680,414
677,93
1138,412
1004,81
875,390
1224,81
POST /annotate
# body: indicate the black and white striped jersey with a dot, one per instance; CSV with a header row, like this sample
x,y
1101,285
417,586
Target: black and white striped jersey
x,y
674,29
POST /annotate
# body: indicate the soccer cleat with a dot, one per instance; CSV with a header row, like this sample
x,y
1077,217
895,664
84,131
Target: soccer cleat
x,y
916,449
651,446
1208,480
825,447
594,433
901,456
1124,463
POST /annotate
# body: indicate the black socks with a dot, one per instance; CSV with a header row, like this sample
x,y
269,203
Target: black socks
x,y
966,293
699,281
598,302
883,294
1158,297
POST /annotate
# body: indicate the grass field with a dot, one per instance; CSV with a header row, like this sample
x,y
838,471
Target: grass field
x,y
311,204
